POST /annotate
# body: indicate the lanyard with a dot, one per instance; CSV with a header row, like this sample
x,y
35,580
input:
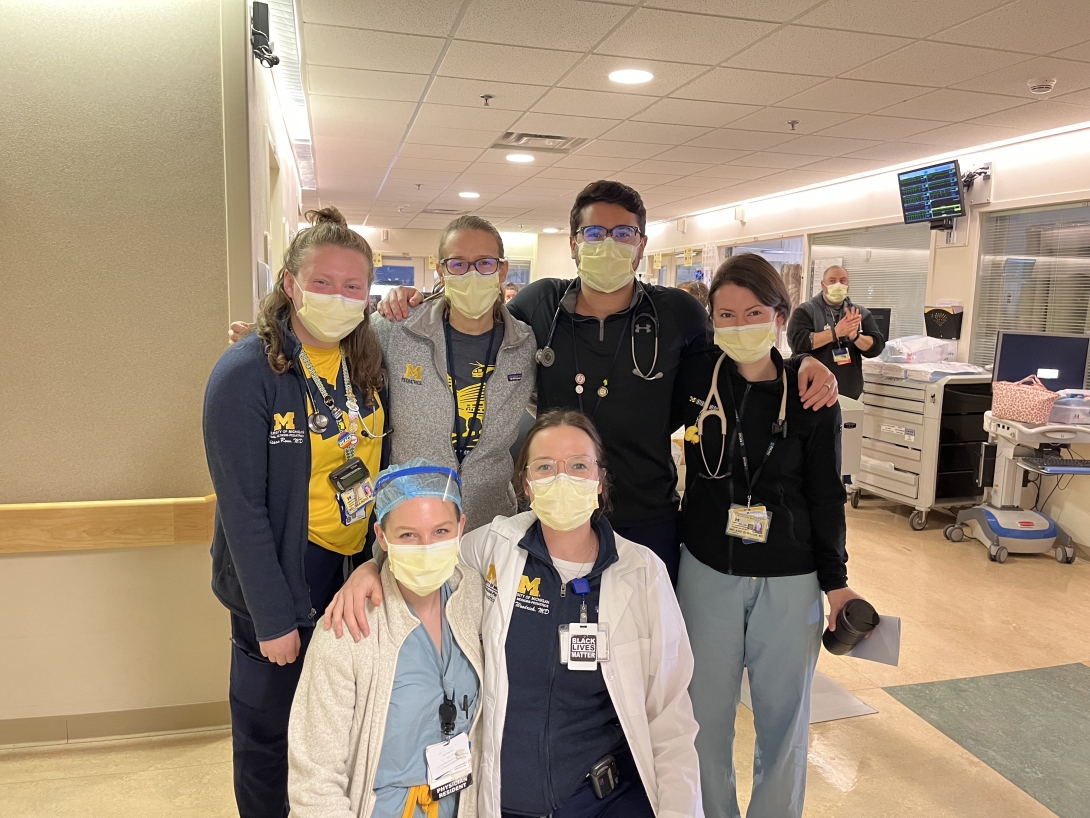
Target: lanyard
x,y
777,429
461,445
830,316
605,382
338,414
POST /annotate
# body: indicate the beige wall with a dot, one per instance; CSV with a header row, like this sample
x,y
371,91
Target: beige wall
x,y
554,257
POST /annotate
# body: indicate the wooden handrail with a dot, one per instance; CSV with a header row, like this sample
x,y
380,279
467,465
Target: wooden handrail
x,y
33,527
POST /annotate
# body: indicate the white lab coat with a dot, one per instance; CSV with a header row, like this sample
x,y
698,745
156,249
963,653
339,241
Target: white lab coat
x,y
647,674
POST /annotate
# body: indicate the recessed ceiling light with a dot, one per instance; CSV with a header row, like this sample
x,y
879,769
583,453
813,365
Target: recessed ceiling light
x,y
551,230
631,76
521,158
469,194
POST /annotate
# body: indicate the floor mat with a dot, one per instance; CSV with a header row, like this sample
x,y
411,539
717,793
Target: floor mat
x,y
1032,727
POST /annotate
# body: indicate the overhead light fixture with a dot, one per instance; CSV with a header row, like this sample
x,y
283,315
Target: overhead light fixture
x,y
551,230
469,194
631,76
520,158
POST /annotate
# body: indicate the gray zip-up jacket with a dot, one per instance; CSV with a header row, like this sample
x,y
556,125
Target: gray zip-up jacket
x,y
421,408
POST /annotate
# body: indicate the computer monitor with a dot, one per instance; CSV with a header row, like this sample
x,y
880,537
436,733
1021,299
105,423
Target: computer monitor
x,y
1060,361
882,316
932,193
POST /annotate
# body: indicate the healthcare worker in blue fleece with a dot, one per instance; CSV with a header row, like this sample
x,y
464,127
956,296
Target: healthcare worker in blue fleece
x,y
293,430
587,662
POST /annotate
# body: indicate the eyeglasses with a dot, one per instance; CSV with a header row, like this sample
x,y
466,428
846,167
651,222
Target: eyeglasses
x,y
624,233
484,266
545,470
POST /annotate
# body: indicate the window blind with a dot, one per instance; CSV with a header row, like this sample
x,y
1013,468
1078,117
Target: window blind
x,y
887,267
1034,275
518,271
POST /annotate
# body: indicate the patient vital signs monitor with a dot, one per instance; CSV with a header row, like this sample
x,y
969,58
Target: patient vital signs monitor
x,y
1060,361
932,194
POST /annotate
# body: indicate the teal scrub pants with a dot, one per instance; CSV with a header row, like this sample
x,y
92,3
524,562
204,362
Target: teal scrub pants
x,y
772,626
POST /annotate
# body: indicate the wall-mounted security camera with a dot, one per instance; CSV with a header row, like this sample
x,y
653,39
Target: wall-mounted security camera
x,y
259,35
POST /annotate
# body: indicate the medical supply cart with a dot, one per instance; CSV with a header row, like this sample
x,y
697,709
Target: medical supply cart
x,y
921,441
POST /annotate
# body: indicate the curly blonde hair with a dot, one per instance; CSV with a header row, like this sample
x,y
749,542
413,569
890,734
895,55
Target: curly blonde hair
x,y
361,347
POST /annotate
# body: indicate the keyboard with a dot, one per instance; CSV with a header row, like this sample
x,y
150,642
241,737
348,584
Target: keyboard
x,y
1057,465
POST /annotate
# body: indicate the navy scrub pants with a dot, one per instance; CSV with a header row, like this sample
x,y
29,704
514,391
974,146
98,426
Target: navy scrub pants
x,y
663,538
261,694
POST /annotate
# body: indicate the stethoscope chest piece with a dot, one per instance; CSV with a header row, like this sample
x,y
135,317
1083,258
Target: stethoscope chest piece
x,y
546,356
317,423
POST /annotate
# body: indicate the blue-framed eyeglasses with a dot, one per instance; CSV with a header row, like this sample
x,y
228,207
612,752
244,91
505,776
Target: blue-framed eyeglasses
x,y
624,233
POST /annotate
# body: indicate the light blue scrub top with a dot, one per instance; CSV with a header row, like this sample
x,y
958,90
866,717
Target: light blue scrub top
x,y
412,722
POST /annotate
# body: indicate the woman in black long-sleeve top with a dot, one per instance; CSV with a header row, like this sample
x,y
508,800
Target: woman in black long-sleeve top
x,y
763,522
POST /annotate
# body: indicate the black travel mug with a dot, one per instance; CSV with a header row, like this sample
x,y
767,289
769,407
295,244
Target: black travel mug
x,y
856,619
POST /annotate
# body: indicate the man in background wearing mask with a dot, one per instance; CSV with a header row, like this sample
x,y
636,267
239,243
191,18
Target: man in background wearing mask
x,y
610,347
837,332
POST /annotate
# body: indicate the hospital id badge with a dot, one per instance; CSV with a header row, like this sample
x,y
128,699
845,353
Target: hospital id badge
x,y
450,766
355,501
750,524
583,645
842,356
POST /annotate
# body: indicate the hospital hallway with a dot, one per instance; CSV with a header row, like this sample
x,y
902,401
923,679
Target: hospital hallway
x,y
987,716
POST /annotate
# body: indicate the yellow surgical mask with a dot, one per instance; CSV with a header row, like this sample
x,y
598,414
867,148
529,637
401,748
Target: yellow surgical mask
x,y
606,266
423,568
746,344
329,318
472,294
836,293
565,503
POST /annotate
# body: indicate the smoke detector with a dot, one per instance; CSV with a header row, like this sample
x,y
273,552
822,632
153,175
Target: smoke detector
x,y
1041,85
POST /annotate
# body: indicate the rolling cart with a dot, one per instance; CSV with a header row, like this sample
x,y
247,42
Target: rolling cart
x,y
921,442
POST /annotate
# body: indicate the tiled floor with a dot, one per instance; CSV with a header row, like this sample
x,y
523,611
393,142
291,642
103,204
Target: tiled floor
x,y
962,616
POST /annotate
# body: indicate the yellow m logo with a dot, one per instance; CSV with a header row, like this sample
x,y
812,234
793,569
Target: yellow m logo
x,y
413,373
491,577
531,587
285,421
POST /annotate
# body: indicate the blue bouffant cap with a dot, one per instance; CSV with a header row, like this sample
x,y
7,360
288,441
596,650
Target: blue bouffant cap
x,y
416,478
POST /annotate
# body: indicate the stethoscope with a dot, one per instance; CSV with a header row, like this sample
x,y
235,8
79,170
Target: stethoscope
x,y
546,356
713,408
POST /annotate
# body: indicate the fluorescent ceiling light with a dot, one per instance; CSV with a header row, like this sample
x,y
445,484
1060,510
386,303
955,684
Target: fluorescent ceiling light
x,y
469,194
551,230
631,76
521,158
288,84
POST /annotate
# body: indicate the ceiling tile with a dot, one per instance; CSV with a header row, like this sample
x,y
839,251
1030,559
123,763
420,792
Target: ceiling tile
x,y
415,163
1077,98
400,174
576,174
764,159
823,145
506,95
498,156
853,96
895,152
775,10
695,112
934,64
592,103
558,125
964,135
477,175
541,184
918,18
1037,26
736,172
645,180
356,48
816,51
1038,116
775,120
951,105
747,87
533,66
886,128
456,137
655,132
602,163
352,82
605,147
593,74
1070,76
798,178
434,17
688,153
496,172
368,131
350,109
665,35
1075,52
670,168
741,140
477,118
846,166
457,153
562,24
